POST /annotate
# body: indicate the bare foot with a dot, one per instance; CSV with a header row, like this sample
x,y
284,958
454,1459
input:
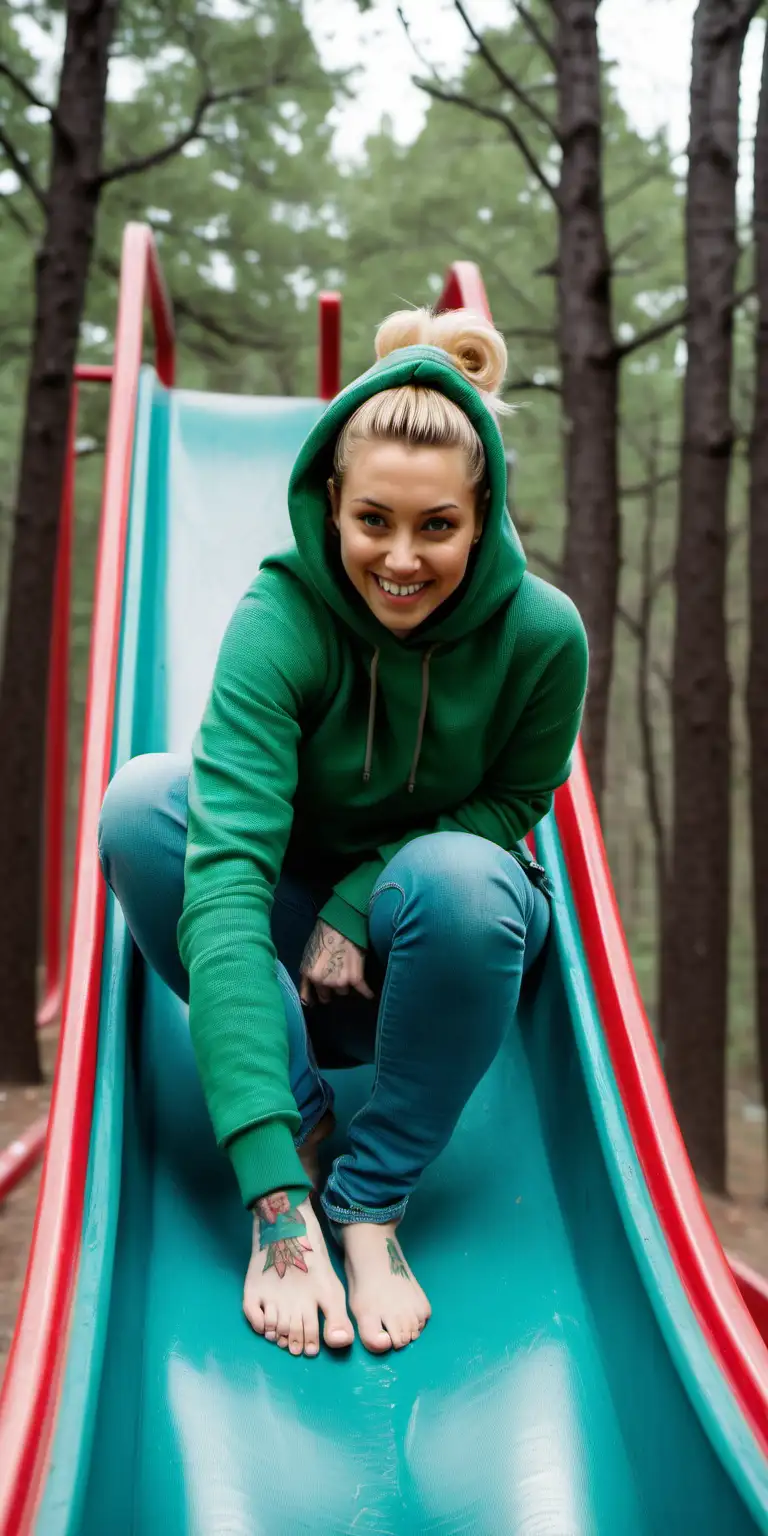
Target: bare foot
x,y
290,1276
308,1151
389,1306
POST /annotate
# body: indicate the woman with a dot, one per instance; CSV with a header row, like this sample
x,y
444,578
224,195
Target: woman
x,y
394,703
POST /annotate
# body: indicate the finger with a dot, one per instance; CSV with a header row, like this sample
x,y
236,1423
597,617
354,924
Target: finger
x,y
305,990
362,986
324,994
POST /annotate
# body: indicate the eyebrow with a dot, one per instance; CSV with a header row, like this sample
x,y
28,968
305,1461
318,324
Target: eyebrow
x,y
381,506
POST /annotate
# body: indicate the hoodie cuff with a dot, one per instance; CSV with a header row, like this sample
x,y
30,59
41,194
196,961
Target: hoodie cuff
x,y
264,1158
346,920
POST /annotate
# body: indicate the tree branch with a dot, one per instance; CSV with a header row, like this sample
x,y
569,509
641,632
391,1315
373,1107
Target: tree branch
x,y
22,168
628,491
654,333
439,92
506,81
636,185
626,244
23,89
20,84
7,204
207,100
536,32
745,15
658,331
488,263
545,387
186,311
454,98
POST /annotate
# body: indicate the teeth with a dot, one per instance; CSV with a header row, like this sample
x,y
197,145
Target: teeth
x,y
396,591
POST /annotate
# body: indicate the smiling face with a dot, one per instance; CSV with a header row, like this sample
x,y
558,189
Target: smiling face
x,y
407,521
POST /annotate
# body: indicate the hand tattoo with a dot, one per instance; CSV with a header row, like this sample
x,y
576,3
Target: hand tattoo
x,y
283,1233
397,1264
324,939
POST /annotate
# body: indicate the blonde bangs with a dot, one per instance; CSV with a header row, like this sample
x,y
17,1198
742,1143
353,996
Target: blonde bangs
x,y
419,417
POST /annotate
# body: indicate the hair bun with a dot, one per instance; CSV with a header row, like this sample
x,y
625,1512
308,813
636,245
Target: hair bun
x,y
473,344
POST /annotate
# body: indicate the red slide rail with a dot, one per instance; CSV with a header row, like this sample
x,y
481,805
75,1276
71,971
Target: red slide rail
x,y
58,705
33,1374
713,1291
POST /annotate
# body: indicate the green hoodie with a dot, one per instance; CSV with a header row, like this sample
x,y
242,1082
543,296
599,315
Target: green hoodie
x,y
329,742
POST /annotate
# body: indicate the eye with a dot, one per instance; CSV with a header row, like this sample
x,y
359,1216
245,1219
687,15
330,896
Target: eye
x,y
371,519
438,525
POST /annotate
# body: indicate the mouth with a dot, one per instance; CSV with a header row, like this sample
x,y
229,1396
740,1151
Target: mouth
x,y
400,594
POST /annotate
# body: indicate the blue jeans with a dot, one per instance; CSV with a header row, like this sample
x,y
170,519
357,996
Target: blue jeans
x,y
454,923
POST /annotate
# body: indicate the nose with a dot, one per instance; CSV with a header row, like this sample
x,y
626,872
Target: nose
x,y
402,559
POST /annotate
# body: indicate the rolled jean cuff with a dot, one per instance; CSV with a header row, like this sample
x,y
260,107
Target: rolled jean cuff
x,y
311,1124
345,1215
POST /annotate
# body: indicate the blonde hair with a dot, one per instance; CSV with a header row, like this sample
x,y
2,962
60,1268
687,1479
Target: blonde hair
x,y
422,416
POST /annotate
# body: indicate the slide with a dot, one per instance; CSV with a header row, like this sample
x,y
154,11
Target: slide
x,y
590,1368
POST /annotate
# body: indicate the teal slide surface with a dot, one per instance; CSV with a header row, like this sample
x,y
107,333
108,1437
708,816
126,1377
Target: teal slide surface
x,y
563,1386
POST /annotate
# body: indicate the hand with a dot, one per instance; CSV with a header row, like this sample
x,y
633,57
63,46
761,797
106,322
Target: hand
x,y
331,963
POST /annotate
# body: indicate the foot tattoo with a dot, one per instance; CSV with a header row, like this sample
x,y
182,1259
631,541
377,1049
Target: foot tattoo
x,y
282,1233
397,1263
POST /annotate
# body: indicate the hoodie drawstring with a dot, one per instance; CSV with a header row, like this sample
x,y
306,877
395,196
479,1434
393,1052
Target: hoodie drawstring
x,y
422,717
371,716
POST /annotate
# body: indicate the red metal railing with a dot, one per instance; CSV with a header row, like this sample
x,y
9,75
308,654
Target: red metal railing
x,y
712,1289
21,1155
29,1394
55,809
329,350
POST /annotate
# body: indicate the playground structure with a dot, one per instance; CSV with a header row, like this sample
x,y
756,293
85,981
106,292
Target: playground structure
x,y
617,1380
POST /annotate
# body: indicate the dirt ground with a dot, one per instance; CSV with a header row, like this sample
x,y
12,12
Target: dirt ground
x,y
741,1222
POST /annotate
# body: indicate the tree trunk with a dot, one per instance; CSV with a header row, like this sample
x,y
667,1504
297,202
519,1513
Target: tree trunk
x,y
695,949
590,364
60,282
757,687
645,710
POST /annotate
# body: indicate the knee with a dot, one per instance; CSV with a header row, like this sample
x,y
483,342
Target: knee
x,y
463,883
139,801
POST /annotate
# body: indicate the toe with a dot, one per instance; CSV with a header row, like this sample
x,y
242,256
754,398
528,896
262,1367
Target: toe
x,y
399,1330
283,1326
296,1334
372,1334
337,1332
270,1322
254,1313
311,1333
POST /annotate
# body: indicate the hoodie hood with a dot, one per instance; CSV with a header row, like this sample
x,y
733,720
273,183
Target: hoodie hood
x,y
497,567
